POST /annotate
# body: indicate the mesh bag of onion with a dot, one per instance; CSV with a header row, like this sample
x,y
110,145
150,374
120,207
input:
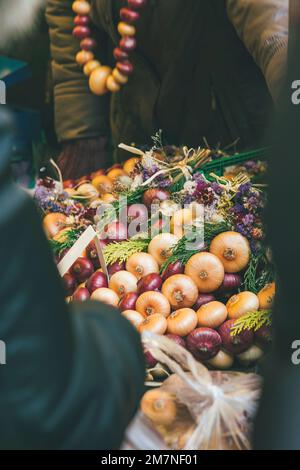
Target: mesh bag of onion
x,y
198,409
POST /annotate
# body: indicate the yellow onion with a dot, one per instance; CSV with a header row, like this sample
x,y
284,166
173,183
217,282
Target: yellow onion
x,y
161,245
222,361
135,318
181,219
87,190
105,295
129,165
152,302
207,272
233,250
142,264
181,291
182,322
242,303
159,406
266,297
212,315
123,283
155,324
103,184
53,223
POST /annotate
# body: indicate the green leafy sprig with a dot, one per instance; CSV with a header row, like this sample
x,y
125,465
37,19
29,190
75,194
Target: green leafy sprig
x,y
66,241
121,251
252,321
260,272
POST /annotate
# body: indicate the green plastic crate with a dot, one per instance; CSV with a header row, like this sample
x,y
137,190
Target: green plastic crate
x,y
218,166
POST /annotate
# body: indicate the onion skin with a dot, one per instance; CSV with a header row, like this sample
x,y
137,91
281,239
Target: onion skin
x,y
172,270
155,196
204,343
155,324
251,355
231,282
235,344
266,297
123,283
106,296
159,406
263,336
142,264
137,211
134,317
150,303
82,269
181,291
222,361
182,322
97,281
161,245
207,272
242,303
233,250
128,302
81,294
151,282
212,315
53,223
115,268
69,283
177,339
203,299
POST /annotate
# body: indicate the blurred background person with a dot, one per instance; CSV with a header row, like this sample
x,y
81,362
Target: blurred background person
x,y
74,375
202,68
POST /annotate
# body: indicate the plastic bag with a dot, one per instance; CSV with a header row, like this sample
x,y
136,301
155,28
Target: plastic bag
x,y
215,410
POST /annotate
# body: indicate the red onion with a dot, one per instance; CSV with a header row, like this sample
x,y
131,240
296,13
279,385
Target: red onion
x,y
115,232
177,339
155,196
235,344
70,283
81,294
116,267
151,282
137,211
97,281
150,360
128,302
203,299
204,343
69,184
263,336
93,255
82,269
173,269
231,282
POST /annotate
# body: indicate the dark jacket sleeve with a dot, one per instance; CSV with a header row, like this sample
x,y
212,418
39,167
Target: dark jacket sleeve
x,y
263,27
73,377
78,113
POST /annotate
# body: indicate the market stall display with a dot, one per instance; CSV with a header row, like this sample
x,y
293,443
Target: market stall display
x,y
184,250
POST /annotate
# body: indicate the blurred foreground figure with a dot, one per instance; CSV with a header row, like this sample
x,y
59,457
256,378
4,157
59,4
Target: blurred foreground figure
x,y
73,376
277,425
